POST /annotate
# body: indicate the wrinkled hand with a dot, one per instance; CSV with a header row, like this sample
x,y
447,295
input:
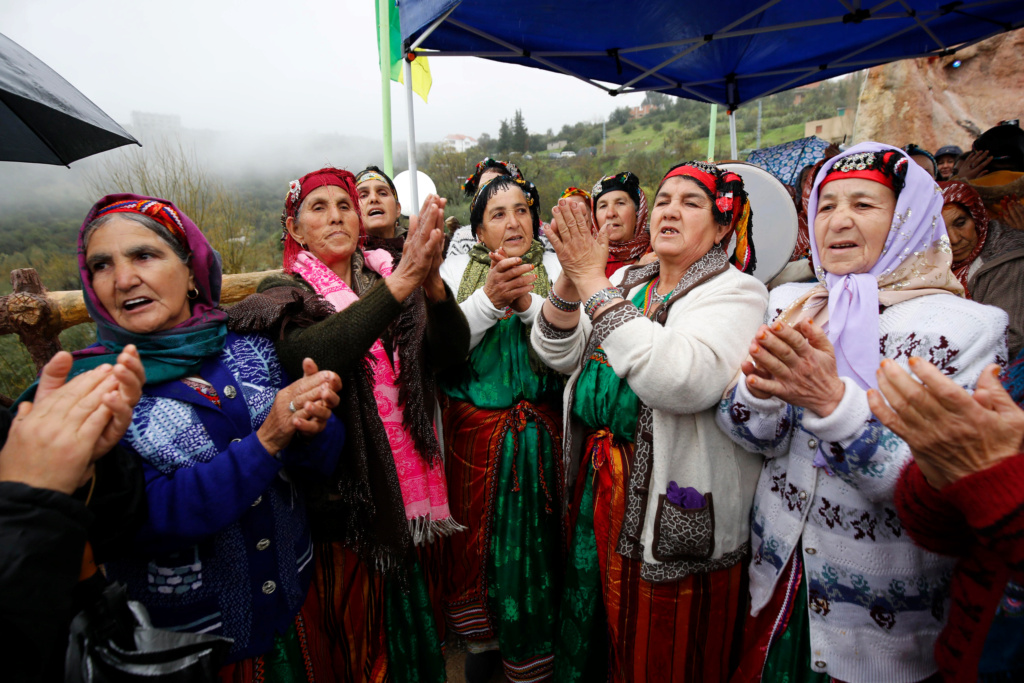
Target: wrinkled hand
x,y
974,165
314,397
1012,212
796,364
420,254
130,376
52,443
951,434
583,256
509,282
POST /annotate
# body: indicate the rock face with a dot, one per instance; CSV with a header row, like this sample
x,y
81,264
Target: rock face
x,y
932,103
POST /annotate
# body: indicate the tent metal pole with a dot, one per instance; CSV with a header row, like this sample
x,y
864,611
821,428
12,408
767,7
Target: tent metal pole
x,y
384,38
712,126
698,45
430,29
413,177
732,135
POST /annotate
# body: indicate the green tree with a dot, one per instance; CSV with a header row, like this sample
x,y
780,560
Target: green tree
x,y
619,117
520,136
504,137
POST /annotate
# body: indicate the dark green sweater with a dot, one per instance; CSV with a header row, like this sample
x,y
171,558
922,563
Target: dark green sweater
x,y
339,342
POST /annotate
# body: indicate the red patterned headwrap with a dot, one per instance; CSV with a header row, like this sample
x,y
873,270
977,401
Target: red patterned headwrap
x,y
956,192
730,206
299,189
162,213
887,167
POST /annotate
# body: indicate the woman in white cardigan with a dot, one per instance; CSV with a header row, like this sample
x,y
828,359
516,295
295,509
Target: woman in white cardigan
x,y
838,589
661,498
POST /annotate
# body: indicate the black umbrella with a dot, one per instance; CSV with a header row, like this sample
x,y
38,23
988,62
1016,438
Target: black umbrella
x,y
43,118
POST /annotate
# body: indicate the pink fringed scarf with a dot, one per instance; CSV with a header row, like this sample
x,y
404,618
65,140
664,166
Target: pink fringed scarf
x,y
424,490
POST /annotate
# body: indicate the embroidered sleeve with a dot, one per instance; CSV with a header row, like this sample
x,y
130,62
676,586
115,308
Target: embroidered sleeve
x,y
612,318
548,330
760,426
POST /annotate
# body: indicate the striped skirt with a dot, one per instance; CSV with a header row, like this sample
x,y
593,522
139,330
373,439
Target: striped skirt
x,y
640,632
503,575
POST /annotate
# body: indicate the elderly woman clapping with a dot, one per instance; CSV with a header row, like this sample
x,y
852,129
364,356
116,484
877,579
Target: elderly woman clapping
x,y
868,603
386,327
227,548
662,497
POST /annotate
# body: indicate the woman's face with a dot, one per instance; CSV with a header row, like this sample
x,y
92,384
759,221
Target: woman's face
x,y
137,277
683,228
946,163
507,223
852,223
925,163
616,213
379,206
963,234
327,224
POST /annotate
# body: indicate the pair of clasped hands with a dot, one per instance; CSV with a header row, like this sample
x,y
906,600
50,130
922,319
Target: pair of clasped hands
x,y
952,433
55,439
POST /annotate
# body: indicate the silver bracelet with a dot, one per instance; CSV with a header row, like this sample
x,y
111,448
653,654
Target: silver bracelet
x,y
561,304
599,299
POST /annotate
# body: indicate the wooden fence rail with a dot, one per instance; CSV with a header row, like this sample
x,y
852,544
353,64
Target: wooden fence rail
x,y
37,315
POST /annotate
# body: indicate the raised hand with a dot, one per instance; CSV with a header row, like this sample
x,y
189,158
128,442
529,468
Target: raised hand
x,y
52,442
974,164
951,434
796,364
583,256
423,243
303,406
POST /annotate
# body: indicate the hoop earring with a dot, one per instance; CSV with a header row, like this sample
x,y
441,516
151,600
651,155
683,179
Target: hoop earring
x,y
193,293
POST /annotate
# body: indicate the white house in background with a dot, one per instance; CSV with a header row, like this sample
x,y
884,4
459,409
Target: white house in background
x,y
458,142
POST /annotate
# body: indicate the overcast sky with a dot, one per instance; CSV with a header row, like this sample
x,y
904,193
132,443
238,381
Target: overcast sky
x,y
273,68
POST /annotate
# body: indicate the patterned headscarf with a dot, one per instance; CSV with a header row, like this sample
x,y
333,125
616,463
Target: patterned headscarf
x,y
169,354
300,189
628,252
956,192
470,187
488,189
575,192
915,261
729,205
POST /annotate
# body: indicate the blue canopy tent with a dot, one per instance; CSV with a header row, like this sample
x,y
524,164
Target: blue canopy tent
x,y
727,52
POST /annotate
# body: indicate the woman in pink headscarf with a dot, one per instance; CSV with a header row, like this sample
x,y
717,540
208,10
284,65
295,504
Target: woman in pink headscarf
x,y
837,589
386,328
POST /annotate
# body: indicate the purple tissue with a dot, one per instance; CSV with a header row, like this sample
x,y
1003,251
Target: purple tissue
x,y
685,496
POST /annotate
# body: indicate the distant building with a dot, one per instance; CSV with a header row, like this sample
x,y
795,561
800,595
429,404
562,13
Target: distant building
x,y
458,142
557,144
642,111
836,129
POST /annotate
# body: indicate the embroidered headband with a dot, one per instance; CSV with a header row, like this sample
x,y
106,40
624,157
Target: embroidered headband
x,y
158,211
888,168
625,181
300,189
470,187
374,173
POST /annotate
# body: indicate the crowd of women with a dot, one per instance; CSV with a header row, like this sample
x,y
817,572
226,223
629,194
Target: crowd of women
x,y
596,449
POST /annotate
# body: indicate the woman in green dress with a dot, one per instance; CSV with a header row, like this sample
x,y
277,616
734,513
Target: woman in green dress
x,y
501,426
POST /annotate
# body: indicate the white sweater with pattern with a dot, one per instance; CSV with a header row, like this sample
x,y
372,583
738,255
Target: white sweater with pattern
x,y
876,601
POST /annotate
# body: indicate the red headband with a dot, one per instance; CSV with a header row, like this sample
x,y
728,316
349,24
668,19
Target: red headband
x,y
885,168
300,189
158,211
703,177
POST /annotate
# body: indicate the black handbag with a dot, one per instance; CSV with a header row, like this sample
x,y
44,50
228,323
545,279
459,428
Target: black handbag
x,y
113,641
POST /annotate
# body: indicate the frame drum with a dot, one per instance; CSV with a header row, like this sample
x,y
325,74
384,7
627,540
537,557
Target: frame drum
x,y
773,219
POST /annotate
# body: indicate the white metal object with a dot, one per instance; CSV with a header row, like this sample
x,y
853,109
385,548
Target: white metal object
x,y
414,196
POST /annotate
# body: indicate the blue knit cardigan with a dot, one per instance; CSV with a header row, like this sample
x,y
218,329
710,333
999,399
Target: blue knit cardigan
x,y
227,548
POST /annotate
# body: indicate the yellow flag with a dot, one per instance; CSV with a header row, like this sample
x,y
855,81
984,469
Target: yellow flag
x,y
421,80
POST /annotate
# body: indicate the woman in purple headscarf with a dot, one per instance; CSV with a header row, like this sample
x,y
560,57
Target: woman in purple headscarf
x,y
226,549
837,588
